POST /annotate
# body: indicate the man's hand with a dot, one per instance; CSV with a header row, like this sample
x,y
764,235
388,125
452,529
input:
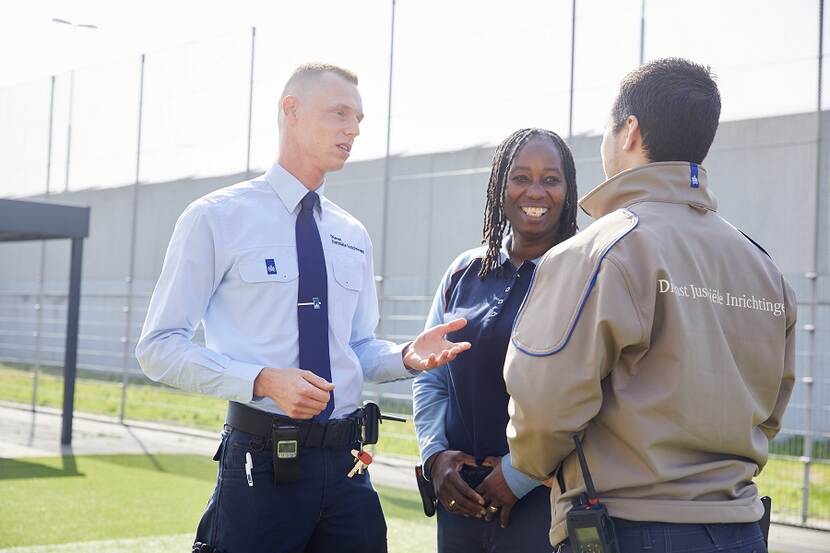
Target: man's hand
x,y
300,394
496,492
432,349
453,492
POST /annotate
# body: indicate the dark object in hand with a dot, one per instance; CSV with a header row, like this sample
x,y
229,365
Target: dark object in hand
x,y
474,476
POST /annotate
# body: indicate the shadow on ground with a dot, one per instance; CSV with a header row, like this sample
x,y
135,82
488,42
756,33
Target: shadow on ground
x,y
187,466
17,468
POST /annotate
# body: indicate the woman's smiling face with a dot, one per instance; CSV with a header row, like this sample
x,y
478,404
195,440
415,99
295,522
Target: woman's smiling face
x,y
535,191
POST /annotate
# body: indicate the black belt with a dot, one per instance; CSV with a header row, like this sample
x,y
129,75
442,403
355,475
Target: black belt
x,y
335,434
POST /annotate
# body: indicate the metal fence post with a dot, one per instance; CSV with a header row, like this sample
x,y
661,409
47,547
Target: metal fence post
x,y
126,339
250,104
381,279
42,275
642,32
573,53
812,275
69,128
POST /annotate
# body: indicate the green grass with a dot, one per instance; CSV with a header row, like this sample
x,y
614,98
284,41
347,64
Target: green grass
x,y
144,401
782,477
158,403
58,500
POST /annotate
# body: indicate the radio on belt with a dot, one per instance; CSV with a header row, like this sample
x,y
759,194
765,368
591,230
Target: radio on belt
x,y
590,528
286,443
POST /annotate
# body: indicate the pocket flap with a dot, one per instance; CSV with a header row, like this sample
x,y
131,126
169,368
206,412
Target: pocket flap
x,y
274,264
348,272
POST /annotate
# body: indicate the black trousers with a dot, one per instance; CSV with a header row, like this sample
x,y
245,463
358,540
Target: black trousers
x,y
664,537
527,532
323,511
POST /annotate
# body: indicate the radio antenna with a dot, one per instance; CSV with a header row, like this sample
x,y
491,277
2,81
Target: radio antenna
x,y
586,474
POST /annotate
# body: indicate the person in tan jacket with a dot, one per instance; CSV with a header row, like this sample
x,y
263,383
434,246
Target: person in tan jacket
x,y
661,335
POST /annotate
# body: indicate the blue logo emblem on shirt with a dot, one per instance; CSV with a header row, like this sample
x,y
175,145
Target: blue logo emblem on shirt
x,y
270,266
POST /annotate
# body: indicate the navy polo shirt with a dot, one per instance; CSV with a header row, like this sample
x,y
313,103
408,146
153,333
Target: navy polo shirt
x,y
463,405
477,412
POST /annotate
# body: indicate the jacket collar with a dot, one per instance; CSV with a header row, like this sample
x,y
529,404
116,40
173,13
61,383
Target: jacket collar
x,y
289,189
677,182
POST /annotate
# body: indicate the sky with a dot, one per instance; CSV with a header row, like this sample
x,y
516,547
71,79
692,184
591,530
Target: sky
x,y
125,28
466,72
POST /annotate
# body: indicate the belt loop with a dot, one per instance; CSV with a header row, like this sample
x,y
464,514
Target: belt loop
x,y
313,437
648,543
324,428
711,534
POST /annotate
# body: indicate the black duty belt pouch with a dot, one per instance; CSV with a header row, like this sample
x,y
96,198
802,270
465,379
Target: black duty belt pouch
x,y
764,522
286,453
427,491
474,476
370,422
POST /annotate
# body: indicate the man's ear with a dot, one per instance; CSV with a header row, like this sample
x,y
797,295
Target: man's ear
x,y
633,139
288,108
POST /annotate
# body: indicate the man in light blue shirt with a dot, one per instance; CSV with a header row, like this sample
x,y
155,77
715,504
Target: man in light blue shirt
x,y
244,261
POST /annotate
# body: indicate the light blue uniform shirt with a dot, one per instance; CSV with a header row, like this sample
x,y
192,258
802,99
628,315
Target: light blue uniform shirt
x,y
431,390
232,264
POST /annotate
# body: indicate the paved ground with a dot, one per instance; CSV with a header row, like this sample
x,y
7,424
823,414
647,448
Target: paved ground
x,y
27,434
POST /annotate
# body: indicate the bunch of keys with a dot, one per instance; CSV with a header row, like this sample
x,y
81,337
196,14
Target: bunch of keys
x,y
362,460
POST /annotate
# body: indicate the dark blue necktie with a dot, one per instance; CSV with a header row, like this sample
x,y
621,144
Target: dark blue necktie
x,y
312,298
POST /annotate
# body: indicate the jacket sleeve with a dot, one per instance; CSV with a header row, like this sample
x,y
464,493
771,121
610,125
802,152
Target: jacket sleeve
x,y
772,425
567,338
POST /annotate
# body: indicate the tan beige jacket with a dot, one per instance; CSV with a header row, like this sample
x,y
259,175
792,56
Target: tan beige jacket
x,y
667,337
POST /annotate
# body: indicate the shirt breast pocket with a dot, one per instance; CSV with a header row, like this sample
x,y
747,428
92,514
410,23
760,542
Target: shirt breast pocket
x,y
348,274
268,264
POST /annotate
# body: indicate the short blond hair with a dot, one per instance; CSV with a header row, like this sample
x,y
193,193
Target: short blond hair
x,y
303,73
315,69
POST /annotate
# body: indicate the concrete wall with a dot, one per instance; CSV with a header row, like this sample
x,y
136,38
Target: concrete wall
x,y
763,172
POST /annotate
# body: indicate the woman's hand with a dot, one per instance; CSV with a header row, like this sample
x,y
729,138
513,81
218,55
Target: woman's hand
x,y
452,491
496,492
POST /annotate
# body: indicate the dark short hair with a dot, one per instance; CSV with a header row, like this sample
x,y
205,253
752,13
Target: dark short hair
x,y
677,105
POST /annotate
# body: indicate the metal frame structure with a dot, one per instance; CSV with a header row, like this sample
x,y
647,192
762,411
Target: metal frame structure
x,y
27,220
395,307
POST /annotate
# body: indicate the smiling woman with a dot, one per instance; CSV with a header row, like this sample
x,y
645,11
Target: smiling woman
x,y
461,408
533,175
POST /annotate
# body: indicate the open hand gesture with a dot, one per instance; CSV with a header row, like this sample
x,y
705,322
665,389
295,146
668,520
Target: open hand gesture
x,y
432,349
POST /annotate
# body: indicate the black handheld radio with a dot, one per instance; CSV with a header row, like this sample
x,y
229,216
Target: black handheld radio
x,y
590,528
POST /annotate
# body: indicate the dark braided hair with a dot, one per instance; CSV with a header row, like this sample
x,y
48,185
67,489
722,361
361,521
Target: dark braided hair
x,y
494,219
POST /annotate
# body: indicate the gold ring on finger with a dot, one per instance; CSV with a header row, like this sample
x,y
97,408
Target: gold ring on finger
x,y
493,509
451,504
